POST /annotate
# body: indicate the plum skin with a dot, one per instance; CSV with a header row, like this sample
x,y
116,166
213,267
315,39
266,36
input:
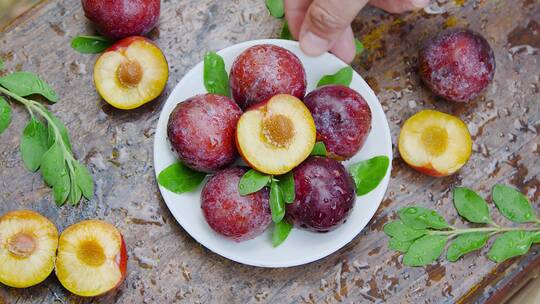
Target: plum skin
x,y
342,119
457,64
117,19
324,195
202,131
236,217
263,71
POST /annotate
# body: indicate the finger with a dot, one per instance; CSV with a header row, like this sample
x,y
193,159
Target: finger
x,y
295,11
325,22
397,7
344,47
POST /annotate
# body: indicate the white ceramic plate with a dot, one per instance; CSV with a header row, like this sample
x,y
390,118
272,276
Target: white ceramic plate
x,y
301,246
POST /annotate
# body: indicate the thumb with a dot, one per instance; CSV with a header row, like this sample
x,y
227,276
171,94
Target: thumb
x,y
325,22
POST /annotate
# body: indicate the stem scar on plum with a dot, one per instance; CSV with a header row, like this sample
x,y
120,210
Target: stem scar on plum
x,y
278,130
22,245
129,73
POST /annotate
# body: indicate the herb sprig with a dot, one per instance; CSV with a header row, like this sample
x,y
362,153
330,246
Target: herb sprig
x,y
421,233
45,143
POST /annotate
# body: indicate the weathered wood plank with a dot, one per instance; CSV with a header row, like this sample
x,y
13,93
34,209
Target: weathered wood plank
x,y
168,266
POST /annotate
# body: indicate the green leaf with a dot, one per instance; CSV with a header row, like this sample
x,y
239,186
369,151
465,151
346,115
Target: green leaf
x,y
342,77
466,243
84,180
397,245
179,179
367,174
399,231
53,165
359,46
277,205
425,250
510,244
286,183
216,80
276,8
34,144
252,181
27,83
281,232
285,32
61,190
512,204
75,194
319,149
422,218
536,237
1,64
471,206
5,114
90,44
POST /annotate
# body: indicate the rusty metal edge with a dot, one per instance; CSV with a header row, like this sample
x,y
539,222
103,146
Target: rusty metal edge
x,y
20,18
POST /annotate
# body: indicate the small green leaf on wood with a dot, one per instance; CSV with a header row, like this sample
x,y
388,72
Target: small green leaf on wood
x,y
398,245
252,181
84,180
342,77
286,183
471,206
90,44
1,64
61,190
368,174
319,149
466,243
34,144
422,218
399,231
425,250
53,165
512,204
5,114
285,32
27,83
277,204
216,80
178,178
275,7
281,232
359,46
510,244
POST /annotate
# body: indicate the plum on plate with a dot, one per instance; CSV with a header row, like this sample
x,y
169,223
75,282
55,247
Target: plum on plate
x,y
457,64
117,19
342,118
202,131
228,213
324,195
263,71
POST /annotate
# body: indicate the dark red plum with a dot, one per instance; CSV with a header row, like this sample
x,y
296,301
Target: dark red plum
x,y
202,131
263,71
228,213
325,195
117,19
342,118
457,64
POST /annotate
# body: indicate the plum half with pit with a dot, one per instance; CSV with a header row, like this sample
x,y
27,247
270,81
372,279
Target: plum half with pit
x,y
342,119
263,71
236,217
457,64
324,195
202,131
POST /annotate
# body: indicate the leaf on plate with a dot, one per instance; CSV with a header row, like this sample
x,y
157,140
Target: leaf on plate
x,y
179,179
319,149
277,204
216,80
286,183
342,77
281,232
252,181
368,174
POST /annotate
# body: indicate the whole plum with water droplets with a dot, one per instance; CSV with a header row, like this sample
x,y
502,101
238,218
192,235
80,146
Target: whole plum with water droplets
x,y
342,119
228,213
457,64
263,71
202,131
324,195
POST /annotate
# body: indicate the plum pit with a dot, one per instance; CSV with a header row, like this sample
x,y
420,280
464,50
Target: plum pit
x,y
129,73
278,129
22,245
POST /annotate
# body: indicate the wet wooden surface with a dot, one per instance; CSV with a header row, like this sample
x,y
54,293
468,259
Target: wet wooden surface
x,y
167,266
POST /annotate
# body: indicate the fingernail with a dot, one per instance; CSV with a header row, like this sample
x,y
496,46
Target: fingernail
x,y
312,44
420,3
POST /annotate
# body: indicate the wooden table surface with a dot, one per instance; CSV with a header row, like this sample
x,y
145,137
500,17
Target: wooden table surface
x,y
167,266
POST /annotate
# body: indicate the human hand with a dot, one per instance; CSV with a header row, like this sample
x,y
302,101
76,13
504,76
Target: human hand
x,y
325,25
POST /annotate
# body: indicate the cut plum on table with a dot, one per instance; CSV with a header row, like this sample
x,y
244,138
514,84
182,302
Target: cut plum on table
x,y
131,73
275,136
28,243
435,143
92,258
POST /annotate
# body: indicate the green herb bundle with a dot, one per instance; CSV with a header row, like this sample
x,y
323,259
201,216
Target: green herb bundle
x,y
421,233
45,144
